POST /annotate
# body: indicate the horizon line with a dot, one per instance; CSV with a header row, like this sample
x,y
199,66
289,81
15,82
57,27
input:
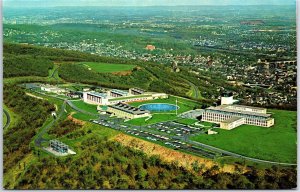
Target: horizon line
x,y
147,5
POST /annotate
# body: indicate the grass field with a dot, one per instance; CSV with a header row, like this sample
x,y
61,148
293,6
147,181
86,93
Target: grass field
x,y
156,118
85,106
186,121
107,67
277,143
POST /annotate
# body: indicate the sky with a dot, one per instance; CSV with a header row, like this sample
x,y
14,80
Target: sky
x,y
53,3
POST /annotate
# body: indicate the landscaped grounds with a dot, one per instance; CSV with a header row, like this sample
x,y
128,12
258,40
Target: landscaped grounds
x,y
184,105
276,143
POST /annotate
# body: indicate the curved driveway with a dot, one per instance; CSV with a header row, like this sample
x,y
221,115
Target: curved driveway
x,y
8,119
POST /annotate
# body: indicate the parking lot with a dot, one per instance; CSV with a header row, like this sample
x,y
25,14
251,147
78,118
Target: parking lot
x,y
170,134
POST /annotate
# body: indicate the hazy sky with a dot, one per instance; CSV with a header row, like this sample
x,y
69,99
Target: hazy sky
x,y
46,3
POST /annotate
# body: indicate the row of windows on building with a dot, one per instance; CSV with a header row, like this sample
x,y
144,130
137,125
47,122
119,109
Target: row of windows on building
x,y
115,94
93,98
215,117
130,100
237,114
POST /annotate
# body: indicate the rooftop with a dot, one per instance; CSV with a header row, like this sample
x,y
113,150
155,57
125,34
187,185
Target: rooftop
x,y
129,109
130,97
97,94
121,92
226,108
245,106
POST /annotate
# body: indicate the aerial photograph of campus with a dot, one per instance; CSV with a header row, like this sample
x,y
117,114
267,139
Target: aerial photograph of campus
x,y
156,94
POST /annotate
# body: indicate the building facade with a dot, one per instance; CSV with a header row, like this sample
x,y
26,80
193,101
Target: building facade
x,y
95,98
116,96
251,115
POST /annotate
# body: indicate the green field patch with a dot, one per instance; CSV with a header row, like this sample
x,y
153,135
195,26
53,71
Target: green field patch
x,y
83,117
85,106
107,67
156,118
276,143
186,121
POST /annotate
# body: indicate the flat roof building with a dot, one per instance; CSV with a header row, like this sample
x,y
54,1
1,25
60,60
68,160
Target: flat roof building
x,y
125,111
116,96
117,93
96,98
251,115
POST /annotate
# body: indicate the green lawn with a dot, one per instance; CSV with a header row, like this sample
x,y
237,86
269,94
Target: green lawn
x,y
107,67
155,119
85,106
186,121
277,143
83,117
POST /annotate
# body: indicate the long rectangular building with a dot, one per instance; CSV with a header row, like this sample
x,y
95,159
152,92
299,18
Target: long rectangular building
x,y
251,115
125,111
95,98
116,96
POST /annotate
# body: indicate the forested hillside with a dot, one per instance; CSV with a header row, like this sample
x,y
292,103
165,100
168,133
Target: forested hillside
x,y
27,60
104,164
33,113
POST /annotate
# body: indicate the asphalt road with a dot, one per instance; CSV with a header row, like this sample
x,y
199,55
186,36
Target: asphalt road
x,y
39,139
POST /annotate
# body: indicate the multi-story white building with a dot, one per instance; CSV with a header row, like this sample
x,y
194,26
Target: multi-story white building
x,y
223,114
115,96
95,98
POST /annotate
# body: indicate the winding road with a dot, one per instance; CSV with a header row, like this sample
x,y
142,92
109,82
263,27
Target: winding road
x,y
196,91
8,119
39,138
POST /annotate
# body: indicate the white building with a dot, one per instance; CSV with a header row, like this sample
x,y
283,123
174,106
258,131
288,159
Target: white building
x,y
52,89
251,115
115,96
95,98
